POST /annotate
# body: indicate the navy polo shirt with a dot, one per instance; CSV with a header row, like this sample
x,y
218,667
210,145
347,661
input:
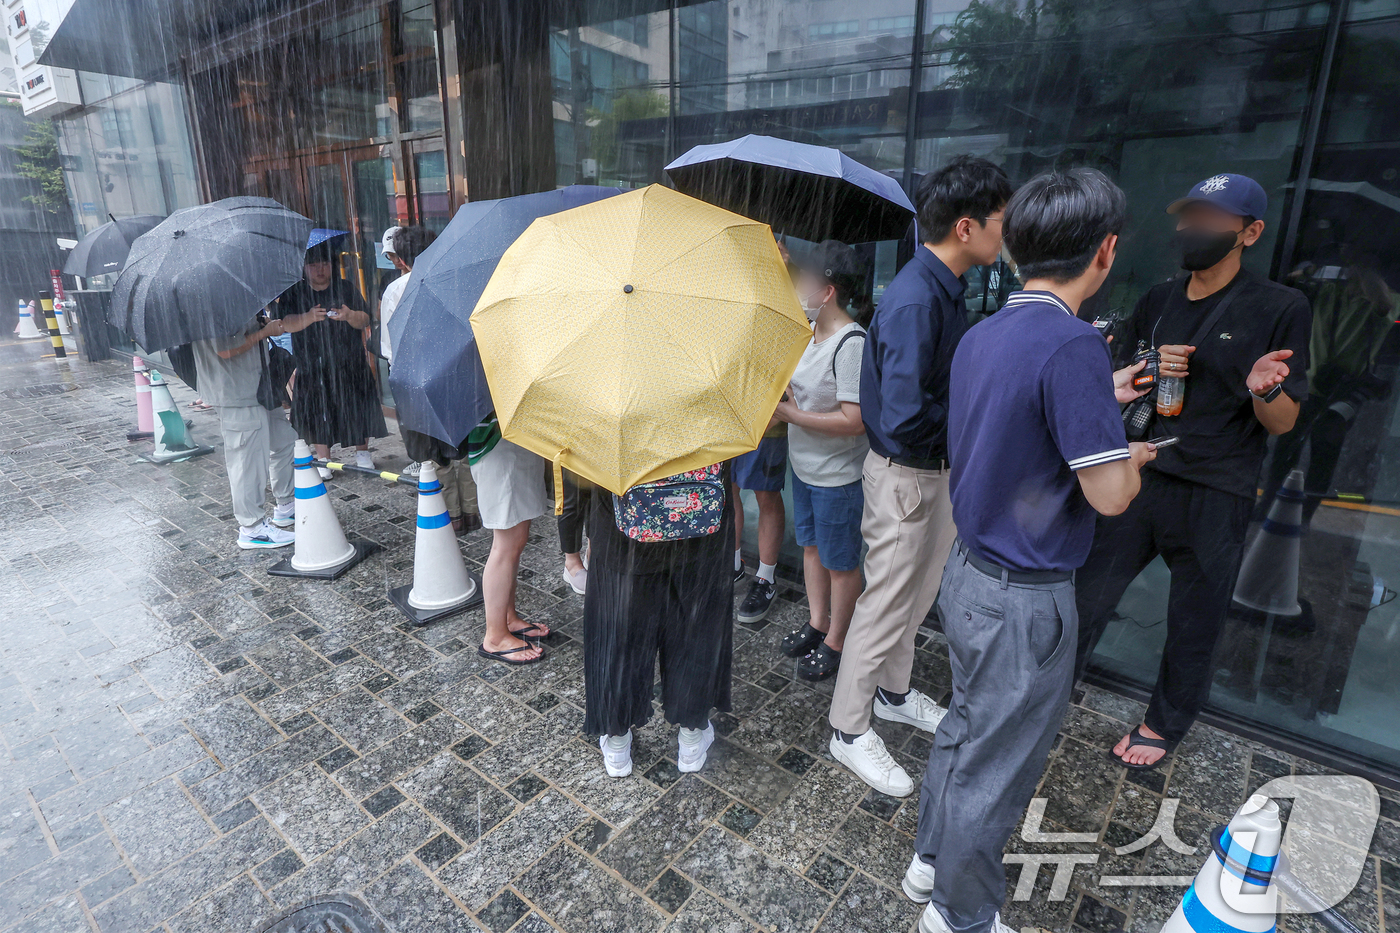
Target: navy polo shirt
x,y
908,351
1030,401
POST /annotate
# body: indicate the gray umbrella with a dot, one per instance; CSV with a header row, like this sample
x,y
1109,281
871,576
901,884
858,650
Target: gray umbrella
x,y
205,271
104,250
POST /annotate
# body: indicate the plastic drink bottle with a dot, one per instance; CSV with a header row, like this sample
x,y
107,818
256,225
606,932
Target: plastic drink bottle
x,y
1171,392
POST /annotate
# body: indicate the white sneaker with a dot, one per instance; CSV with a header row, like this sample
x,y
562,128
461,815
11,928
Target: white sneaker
x,y
616,761
578,582
871,762
931,921
413,469
324,472
264,535
285,515
690,756
918,880
917,710
364,461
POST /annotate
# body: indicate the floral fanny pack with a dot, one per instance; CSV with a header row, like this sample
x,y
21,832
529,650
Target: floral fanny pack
x,y
686,505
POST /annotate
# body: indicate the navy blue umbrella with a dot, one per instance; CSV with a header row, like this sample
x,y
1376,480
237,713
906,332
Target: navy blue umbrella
x,y
438,384
805,191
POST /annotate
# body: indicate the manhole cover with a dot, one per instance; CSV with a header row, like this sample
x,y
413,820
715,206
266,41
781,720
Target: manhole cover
x,y
339,913
40,390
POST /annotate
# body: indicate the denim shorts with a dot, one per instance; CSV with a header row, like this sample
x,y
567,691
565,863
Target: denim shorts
x,y
828,517
763,469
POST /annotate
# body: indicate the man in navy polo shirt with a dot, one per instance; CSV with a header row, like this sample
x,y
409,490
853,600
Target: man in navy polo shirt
x,y
1038,448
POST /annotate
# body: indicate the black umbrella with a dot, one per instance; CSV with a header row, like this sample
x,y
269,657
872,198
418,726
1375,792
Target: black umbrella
x,y
806,191
104,250
438,384
205,271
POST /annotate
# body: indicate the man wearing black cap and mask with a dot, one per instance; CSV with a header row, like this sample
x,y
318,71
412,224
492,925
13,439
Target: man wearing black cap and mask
x,y
1240,342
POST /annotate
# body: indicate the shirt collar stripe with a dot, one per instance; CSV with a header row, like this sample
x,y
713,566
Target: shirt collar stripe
x,y
1021,298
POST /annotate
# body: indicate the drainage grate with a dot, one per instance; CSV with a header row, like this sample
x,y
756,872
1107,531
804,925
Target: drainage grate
x,y
44,448
339,913
40,390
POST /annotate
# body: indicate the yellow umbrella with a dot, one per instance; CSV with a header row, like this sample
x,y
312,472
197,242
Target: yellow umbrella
x,y
639,336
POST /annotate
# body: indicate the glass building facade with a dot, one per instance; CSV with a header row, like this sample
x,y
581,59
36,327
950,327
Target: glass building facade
x,y
363,114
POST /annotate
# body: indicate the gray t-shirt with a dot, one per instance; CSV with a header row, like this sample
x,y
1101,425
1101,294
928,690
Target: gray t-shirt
x,y
818,385
232,382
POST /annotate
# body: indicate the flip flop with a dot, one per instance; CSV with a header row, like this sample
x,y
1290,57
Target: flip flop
x,y
528,632
1136,738
198,405
501,655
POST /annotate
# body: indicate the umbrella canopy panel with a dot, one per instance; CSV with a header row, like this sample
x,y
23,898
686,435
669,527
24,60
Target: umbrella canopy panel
x,y
104,250
640,336
811,192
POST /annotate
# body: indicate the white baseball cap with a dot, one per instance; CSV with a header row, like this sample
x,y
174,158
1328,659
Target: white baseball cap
x,y
386,242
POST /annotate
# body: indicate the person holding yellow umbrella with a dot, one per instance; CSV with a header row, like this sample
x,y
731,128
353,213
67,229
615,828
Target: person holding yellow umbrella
x,y
682,331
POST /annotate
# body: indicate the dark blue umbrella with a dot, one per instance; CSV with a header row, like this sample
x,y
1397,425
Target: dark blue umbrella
x,y
805,191
319,235
438,384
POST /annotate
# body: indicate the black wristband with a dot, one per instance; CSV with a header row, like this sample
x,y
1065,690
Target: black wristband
x,y
1270,395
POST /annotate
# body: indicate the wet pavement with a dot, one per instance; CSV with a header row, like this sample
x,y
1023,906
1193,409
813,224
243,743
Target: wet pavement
x,y
187,743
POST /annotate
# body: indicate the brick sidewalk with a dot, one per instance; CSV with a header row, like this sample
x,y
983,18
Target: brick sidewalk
x,y
191,744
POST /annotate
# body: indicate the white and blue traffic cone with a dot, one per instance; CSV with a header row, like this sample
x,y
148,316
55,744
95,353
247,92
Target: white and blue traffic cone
x,y
442,586
61,318
26,330
322,551
173,441
1233,892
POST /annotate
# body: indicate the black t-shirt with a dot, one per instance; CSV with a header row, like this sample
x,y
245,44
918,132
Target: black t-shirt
x,y
1222,442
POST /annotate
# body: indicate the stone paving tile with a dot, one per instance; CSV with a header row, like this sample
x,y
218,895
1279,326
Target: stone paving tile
x,y
756,884
498,856
156,826
458,796
578,895
159,663
416,902
311,811
655,837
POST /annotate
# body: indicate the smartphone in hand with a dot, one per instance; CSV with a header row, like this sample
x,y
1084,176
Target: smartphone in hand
x,y
1164,441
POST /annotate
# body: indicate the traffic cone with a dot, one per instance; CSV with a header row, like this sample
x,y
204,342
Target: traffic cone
x,y
1268,580
1234,890
27,329
144,426
442,586
61,318
173,441
321,551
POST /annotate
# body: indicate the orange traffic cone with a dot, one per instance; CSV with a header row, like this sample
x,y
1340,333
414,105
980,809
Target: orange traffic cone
x,y
322,551
1233,890
442,586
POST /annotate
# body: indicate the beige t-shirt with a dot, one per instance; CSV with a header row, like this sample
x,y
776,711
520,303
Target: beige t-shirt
x,y
823,380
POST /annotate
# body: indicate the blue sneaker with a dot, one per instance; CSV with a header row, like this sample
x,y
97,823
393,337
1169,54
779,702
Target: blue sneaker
x,y
264,535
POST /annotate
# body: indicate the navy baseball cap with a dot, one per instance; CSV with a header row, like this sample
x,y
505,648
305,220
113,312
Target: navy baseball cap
x,y
1237,194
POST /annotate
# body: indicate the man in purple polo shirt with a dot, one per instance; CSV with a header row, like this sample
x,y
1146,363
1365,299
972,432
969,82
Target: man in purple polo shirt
x,y
1037,446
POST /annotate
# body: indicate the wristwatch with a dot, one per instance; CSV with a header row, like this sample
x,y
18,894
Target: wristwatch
x,y
1268,396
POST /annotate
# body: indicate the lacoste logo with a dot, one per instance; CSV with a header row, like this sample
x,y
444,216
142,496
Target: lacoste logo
x,y
1212,185
1225,336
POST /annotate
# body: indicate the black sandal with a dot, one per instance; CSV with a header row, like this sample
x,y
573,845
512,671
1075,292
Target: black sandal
x,y
1136,738
798,643
501,655
820,664
529,632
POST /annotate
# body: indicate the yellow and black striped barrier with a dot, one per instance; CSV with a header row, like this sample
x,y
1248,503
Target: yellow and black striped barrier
x,y
365,471
51,322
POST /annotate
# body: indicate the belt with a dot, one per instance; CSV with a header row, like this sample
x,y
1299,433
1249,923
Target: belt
x,y
914,463
1023,577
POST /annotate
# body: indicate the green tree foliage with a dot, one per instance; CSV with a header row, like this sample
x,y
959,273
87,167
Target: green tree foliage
x,y
37,159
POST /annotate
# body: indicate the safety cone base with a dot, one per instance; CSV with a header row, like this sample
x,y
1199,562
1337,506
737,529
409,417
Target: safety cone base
x,y
363,549
177,455
149,435
399,597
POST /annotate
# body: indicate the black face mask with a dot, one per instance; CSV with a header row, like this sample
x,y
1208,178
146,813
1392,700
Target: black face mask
x,y
1201,249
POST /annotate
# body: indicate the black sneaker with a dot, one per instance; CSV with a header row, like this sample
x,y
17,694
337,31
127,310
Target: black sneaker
x,y
739,573
760,599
